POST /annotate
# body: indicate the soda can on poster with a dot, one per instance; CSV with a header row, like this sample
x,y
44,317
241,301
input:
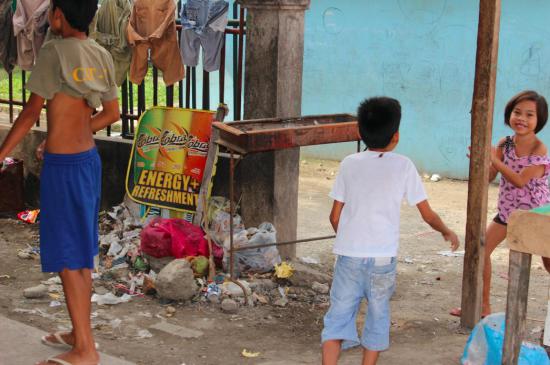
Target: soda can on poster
x,y
173,141
147,140
197,146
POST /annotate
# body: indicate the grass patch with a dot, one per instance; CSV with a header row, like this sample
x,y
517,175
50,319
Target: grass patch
x,y
17,77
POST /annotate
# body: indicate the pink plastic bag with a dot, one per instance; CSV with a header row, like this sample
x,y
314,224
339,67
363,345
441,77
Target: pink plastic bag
x,y
173,237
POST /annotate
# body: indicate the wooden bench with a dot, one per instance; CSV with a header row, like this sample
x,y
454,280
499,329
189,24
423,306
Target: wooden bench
x,y
528,234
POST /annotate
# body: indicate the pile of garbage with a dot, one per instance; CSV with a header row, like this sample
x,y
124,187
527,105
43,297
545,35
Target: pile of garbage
x,y
171,259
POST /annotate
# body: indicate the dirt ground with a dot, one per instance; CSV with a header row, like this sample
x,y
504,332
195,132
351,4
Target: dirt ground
x,y
422,331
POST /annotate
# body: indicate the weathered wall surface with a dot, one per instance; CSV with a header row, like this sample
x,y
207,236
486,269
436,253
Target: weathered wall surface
x,y
421,52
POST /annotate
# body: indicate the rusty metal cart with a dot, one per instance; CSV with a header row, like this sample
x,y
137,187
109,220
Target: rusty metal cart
x,y
260,135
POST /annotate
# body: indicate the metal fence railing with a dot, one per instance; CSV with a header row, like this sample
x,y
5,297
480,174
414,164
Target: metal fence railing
x,y
198,84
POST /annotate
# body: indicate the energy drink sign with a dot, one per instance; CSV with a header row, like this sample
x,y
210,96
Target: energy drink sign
x,y
168,158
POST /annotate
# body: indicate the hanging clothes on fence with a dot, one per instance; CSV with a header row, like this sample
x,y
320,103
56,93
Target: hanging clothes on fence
x,y
30,23
203,24
110,32
8,42
153,26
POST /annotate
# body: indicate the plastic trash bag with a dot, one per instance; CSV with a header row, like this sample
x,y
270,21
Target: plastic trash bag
x,y
173,237
484,346
261,259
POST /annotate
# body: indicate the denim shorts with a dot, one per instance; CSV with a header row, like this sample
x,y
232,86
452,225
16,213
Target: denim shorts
x,y
354,279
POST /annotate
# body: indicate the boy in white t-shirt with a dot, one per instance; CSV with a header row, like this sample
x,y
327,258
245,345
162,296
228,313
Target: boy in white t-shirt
x,y
367,194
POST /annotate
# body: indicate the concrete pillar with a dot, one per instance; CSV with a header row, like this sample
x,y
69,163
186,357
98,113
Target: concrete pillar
x,y
273,88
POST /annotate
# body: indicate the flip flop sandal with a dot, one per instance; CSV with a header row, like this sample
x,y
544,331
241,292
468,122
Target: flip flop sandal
x,y
60,344
59,361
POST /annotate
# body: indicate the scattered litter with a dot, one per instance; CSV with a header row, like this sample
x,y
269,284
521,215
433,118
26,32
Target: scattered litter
x,y
55,303
8,161
110,299
52,280
29,253
5,277
449,253
283,270
249,354
37,312
435,178
309,260
408,260
29,216
170,311
144,334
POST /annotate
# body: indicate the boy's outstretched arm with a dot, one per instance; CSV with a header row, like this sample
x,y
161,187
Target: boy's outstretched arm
x,y
23,123
433,219
107,116
335,214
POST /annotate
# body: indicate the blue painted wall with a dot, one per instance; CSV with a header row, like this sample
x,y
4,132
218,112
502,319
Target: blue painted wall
x,y
421,52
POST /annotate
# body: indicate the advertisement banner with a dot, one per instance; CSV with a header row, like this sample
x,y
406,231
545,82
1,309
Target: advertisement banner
x,y
168,158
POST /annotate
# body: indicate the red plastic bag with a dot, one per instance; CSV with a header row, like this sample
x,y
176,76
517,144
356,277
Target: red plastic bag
x,y
173,237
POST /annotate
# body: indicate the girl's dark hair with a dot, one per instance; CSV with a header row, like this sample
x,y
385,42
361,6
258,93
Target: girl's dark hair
x,y
78,13
540,101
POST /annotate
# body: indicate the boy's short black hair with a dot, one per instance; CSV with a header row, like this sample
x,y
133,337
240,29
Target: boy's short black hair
x,y
78,13
540,101
378,119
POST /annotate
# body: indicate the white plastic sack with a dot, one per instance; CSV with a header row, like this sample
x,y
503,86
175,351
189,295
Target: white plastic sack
x,y
261,259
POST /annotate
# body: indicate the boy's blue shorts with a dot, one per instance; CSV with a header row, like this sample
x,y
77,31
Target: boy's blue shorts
x,y
354,279
70,190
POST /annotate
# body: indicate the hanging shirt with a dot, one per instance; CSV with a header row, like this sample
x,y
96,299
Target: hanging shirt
x,y
8,42
76,67
110,32
203,25
30,23
152,27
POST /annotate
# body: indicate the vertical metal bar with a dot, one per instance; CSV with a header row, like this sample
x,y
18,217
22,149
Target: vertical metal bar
x,y
188,87
124,108
194,87
155,86
235,62
23,90
108,131
131,96
231,213
141,98
180,93
205,90
240,71
10,94
222,71
170,95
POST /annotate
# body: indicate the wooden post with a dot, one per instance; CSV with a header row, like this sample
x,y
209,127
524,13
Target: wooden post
x,y
516,306
482,122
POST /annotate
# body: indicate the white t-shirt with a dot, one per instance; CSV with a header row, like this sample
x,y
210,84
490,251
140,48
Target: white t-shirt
x,y
372,186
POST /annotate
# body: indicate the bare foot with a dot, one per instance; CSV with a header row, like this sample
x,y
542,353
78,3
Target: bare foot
x,y
75,358
457,312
